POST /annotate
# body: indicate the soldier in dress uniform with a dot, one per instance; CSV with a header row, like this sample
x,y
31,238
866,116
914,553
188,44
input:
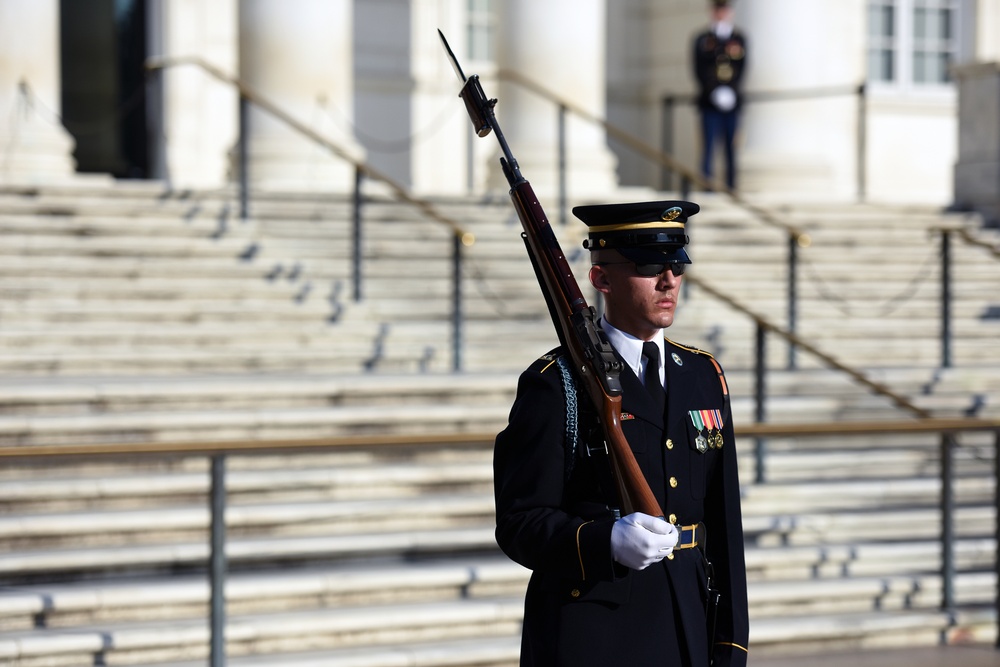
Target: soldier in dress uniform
x,y
719,60
608,589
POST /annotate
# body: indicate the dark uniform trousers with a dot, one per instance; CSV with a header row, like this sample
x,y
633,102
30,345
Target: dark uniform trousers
x,y
554,517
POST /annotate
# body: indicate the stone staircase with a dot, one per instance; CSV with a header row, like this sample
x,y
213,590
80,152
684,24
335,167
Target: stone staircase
x,y
133,315
386,556
146,282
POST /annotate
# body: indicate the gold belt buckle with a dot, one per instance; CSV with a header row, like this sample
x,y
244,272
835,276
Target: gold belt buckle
x,y
694,537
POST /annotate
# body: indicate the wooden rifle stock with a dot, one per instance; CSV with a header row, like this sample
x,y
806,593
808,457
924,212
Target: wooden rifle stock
x,y
593,359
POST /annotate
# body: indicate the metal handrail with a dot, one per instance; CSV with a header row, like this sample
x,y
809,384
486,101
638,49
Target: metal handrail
x,y
270,446
461,238
966,235
946,232
797,238
267,105
763,323
217,452
656,155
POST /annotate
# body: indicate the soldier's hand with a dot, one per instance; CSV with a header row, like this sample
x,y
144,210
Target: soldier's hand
x,y
639,540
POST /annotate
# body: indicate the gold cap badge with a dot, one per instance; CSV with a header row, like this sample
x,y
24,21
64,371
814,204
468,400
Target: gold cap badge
x,y
671,213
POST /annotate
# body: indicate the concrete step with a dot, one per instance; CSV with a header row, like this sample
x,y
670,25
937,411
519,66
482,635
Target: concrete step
x,y
370,634
62,606
34,565
184,595
94,394
178,522
808,527
864,559
871,630
263,424
481,652
145,643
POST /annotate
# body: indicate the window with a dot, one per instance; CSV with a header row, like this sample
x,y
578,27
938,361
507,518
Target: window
x,y
480,30
912,42
933,41
881,40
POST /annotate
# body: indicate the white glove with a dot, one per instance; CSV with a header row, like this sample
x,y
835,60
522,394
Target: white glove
x,y
639,540
724,98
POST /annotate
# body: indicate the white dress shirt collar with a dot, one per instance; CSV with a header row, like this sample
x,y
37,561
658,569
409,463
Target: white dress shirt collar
x,y
630,349
722,29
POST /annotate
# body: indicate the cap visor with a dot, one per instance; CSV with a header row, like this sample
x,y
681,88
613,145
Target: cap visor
x,y
650,255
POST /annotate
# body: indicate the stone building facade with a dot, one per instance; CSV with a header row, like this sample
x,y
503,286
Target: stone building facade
x,y
371,76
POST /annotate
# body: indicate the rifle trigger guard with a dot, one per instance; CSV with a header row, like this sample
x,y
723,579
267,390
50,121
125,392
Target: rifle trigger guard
x,y
598,350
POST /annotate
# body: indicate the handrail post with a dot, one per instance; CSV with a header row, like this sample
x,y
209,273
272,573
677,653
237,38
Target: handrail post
x,y
793,243
760,444
217,566
456,302
243,157
945,298
563,111
356,254
947,523
996,533
862,147
667,140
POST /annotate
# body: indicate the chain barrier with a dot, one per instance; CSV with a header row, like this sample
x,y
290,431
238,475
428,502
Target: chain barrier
x,y
887,307
382,145
81,128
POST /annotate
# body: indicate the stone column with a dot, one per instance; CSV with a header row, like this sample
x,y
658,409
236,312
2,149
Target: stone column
x,y
986,24
34,146
977,172
299,56
439,153
801,146
561,45
200,113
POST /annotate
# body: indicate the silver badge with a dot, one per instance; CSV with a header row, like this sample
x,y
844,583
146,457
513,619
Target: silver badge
x,y
701,443
677,358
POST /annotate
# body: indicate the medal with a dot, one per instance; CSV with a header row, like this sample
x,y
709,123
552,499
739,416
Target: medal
x,y
716,440
708,423
700,442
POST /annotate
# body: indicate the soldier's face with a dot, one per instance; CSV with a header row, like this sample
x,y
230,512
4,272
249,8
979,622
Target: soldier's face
x,y
636,304
722,15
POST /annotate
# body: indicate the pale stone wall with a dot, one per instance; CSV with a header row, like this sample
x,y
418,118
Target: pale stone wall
x,y
911,147
34,148
569,61
302,61
977,172
649,58
372,76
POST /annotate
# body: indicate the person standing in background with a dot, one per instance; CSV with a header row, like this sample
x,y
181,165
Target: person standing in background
x,y
719,63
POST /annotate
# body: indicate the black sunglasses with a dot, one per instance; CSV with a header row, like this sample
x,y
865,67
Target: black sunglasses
x,y
652,270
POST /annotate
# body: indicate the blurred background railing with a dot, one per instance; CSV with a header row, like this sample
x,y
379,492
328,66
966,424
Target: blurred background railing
x,y
461,238
948,431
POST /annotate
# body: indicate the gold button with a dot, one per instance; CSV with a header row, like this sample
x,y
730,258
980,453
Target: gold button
x,y
673,482
672,518
670,556
670,443
576,591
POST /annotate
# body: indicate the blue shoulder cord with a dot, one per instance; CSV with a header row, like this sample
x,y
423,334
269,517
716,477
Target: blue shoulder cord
x,y
572,415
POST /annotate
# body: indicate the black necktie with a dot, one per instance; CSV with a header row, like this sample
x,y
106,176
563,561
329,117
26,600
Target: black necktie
x,y
652,377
